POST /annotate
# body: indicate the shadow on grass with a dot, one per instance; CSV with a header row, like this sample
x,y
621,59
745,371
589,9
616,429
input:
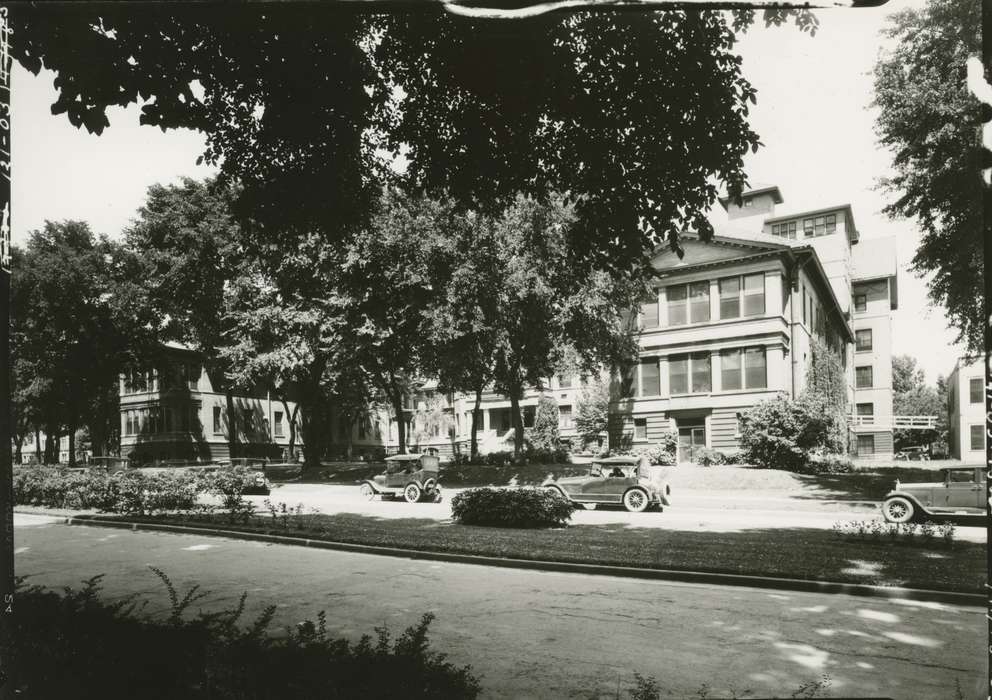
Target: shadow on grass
x,y
802,553
868,485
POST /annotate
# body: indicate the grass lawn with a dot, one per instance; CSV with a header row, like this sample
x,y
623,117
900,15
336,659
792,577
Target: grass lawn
x,y
809,554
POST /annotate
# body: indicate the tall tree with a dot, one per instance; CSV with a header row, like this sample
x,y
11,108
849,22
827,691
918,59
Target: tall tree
x,y
911,396
906,376
592,411
932,124
190,246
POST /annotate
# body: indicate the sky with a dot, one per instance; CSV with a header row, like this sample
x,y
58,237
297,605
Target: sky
x,y
813,114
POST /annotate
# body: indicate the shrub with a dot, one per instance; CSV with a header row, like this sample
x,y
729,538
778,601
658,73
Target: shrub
x,y
511,508
708,458
498,459
72,644
661,453
555,456
901,533
782,433
544,435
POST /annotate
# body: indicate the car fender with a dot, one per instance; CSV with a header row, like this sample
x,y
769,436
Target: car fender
x,y
371,484
559,489
909,497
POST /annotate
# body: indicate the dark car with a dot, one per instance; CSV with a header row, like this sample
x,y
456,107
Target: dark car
x,y
414,477
962,491
613,481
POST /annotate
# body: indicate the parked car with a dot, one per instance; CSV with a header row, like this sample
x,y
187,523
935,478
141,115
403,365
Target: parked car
x,y
962,491
414,477
613,481
918,453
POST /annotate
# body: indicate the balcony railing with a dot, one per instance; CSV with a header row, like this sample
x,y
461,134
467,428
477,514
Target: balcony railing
x,y
894,422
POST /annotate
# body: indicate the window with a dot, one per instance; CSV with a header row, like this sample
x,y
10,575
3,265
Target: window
x,y
678,374
862,377
862,340
754,295
565,417
640,428
564,381
978,437
975,390
529,412
699,302
820,225
129,423
730,297
277,424
650,377
675,297
867,412
730,370
961,476
785,230
860,302
649,312
700,372
755,369
217,427
193,375
866,444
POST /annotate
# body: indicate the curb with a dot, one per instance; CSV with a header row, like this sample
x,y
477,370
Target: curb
x,y
781,584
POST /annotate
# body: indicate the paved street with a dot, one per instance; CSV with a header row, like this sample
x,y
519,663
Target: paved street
x,y
692,511
550,635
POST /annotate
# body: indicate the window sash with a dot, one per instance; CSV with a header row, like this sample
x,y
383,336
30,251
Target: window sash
x,y
863,377
755,369
730,370
676,303
678,374
701,372
866,409
860,302
277,424
649,314
977,437
730,297
217,426
640,429
650,378
699,302
754,295
863,339
866,444
976,390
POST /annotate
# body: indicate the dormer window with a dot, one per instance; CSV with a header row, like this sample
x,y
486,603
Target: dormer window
x,y
785,230
820,225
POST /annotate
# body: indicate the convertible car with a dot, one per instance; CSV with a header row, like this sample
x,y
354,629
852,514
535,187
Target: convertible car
x,y
414,477
962,491
613,481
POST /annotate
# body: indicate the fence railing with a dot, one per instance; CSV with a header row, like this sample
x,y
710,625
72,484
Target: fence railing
x,y
894,422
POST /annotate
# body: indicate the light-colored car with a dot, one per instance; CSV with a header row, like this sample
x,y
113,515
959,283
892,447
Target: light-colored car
x,y
414,477
962,491
613,481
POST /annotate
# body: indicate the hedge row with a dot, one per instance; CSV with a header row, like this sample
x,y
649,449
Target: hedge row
x,y
128,492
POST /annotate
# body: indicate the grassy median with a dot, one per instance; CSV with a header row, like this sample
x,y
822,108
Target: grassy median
x,y
802,553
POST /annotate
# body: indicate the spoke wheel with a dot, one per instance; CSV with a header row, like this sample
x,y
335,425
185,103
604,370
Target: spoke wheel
x,y
898,510
635,501
367,492
411,493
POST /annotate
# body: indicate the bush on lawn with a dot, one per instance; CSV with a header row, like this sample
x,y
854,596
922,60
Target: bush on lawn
x,y
661,453
706,457
72,644
782,433
511,508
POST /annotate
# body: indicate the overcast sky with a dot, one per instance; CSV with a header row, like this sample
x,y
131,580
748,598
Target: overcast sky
x,y
812,115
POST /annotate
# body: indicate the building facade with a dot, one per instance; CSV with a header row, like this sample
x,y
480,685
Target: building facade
x,y
174,412
966,429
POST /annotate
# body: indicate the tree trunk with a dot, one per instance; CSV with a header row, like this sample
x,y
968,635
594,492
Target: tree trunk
x,y
232,426
397,400
518,423
51,446
292,427
476,418
72,445
312,433
38,457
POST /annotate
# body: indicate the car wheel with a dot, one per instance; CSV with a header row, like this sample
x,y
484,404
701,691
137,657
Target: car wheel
x,y
553,491
898,510
412,493
367,492
636,501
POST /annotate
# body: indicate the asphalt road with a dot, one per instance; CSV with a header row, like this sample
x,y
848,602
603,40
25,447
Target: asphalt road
x,y
550,635
692,511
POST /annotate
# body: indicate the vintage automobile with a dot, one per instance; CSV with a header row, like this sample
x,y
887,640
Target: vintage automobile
x,y
912,454
962,491
414,477
613,481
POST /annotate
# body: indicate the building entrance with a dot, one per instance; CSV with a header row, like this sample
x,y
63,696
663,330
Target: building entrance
x,y
692,438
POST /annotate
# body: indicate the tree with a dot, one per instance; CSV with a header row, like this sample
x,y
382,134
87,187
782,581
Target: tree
x,y
432,420
190,248
906,376
483,109
912,397
545,435
592,410
932,123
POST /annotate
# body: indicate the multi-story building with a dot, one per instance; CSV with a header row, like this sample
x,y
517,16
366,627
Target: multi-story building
x,y
173,412
966,429
731,324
